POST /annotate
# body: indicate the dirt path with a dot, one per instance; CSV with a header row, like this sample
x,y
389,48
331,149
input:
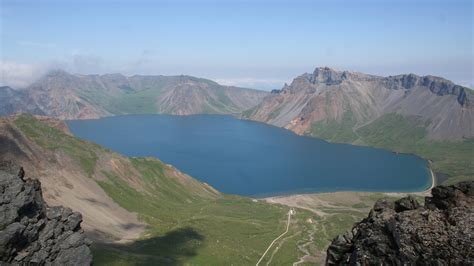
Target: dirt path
x,y
280,244
303,248
276,239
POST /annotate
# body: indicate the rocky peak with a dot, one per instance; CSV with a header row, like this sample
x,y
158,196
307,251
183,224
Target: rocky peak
x,y
327,75
405,233
33,233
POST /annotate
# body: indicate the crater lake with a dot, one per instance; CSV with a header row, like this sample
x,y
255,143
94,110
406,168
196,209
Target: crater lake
x,y
254,159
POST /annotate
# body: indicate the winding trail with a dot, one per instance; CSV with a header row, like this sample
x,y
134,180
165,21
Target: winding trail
x,y
276,239
303,248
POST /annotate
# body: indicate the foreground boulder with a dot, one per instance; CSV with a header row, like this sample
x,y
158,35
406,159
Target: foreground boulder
x,y
405,233
33,233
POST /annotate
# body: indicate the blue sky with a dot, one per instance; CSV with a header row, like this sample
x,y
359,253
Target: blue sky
x,y
249,43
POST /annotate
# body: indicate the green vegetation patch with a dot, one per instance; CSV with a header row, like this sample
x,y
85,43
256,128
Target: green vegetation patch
x,y
408,135
336,131
394,131
136,102
55,140
248,113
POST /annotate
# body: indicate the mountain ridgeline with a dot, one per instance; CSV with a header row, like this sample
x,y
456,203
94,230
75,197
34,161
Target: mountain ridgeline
x,y
69,96
347,101
428,116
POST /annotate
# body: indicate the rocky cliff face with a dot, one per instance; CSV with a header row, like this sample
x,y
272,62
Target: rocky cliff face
x,y
404,233
344,101
33,233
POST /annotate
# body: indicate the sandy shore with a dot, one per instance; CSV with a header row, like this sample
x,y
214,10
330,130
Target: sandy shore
x,y
315,201
425,193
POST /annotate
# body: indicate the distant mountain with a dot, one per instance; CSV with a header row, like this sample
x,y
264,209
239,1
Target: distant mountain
x,y
68,96
347,101
404,113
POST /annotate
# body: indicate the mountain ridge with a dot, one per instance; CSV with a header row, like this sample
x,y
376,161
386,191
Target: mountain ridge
x,y
367,97
74,96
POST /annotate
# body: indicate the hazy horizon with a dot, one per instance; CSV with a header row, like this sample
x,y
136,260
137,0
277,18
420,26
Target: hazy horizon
x,y
256,44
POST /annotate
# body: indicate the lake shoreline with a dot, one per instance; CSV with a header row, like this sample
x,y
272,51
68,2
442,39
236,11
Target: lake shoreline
x,y
425,192
295,164
307,200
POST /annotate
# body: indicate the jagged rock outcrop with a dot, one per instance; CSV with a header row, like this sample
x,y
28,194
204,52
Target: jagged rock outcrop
x,y
404,233
33,233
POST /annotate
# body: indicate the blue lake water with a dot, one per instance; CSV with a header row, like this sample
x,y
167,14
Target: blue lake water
x,y
250,158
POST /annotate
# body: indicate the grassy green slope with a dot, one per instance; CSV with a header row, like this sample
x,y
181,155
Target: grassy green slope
x,y
335,131
408,135
86,154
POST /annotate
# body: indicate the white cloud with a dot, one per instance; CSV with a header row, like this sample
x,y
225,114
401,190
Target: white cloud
x,y
18,75
255,83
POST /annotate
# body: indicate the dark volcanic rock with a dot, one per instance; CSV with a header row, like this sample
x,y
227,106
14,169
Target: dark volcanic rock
x,y
437,85
33,233
405,233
